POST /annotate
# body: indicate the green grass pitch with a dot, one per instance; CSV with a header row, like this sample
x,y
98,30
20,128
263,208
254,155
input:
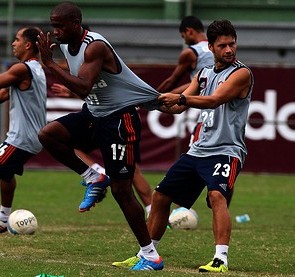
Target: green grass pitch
x,y
77,244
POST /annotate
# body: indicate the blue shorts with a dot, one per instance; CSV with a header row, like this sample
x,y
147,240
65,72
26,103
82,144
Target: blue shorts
x,y
117,136
186,179
12,160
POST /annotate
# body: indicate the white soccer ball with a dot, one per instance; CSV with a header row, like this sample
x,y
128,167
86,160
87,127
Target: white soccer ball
x,y
182,218
22,222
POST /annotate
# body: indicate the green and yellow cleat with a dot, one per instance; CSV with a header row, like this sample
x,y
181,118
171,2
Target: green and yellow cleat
x,y
216,265
127,263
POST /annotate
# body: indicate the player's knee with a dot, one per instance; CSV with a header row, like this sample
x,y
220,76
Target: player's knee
x,y
159,198
52,132
122,190
215,198
42,136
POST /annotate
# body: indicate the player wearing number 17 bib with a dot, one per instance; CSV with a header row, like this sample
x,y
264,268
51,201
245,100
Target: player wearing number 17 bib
x,y
108,120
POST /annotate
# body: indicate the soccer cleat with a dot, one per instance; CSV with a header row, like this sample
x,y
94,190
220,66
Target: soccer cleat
x,y
144,264
217,265
95,192
3,222
130,262
3,226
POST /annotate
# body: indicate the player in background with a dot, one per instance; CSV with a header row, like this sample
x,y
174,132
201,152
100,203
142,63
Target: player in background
x,y
108,119
190,61
27,114
192,58
140,184
214,160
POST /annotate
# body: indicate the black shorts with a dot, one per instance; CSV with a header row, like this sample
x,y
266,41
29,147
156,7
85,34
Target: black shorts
x,y
12,160
186,179
117,136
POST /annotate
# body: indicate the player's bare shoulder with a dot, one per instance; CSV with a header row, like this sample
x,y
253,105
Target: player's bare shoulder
x,y
96,49
17,73
187,55
242,80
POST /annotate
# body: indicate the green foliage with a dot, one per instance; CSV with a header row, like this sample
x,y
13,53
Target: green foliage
x,y
73,244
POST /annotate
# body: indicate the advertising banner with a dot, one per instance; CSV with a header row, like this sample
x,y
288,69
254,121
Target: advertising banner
x,y
270,133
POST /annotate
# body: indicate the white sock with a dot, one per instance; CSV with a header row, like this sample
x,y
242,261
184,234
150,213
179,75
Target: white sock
x,y
221,252
5,211
148,210
155,243
139,253
149,252
90,175
98,168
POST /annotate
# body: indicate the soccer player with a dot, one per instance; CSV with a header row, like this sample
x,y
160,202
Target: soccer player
x,y
192,58
108,120
27,114
190,61
214,160
140,184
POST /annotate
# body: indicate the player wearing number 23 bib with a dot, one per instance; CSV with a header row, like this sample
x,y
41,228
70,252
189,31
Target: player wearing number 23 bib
x,y
222,93
219,151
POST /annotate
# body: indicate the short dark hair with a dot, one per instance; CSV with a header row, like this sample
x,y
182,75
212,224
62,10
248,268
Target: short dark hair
x,y
31,34
68,10
220,28
191,22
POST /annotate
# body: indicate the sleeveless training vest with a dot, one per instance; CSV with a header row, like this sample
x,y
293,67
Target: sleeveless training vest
x,y
27,111
205,56
223,129
112,92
